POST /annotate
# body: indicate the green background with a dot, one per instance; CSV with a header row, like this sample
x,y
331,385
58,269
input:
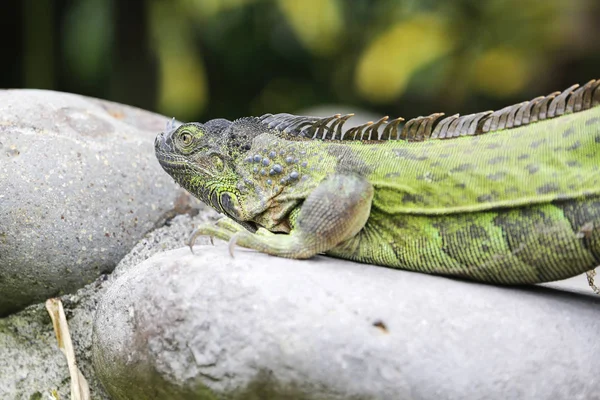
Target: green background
x,y
201,59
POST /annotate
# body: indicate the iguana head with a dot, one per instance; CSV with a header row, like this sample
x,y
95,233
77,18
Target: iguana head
x,y
201,157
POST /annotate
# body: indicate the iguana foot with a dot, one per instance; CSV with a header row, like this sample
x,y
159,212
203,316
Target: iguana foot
x,y
225,229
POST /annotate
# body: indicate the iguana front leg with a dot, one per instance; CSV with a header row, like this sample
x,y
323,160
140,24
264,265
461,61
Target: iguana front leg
x,y
334,212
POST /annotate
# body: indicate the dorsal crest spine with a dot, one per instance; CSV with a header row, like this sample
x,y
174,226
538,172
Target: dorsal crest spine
x,y
572,99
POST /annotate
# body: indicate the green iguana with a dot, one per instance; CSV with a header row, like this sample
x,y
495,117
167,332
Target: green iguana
x,y
510,196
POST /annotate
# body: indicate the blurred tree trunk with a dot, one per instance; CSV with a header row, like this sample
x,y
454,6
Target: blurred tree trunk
x,y
11,42
134,66
39,44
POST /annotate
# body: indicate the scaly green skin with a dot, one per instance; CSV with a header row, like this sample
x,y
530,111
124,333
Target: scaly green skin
x,y
513,206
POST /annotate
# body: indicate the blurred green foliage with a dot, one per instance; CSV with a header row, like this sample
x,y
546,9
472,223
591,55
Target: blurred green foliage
x,y
200,59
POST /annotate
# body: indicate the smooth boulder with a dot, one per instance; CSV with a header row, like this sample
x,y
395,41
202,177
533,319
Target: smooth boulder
x,y
79,186
205,326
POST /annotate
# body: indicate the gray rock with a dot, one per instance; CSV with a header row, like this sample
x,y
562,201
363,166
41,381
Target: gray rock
x,y
180,326
32,366
79,186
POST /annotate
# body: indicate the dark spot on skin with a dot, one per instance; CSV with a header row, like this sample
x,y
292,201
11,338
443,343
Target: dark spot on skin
x,y
523,156
381,325
405,153
484,198
436,164
548,188
393,174
532,168
477,232
592,121
349,161
537,143
597,138
497,176
511,189
304,164
574,146
485,248
573,164
462,168
496,160
411,198
568,132
460,185
492,146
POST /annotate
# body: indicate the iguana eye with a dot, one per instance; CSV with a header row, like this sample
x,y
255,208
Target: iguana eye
x,y
186,138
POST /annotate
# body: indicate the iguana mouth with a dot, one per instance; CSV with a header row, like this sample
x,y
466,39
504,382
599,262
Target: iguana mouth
x,y
168,160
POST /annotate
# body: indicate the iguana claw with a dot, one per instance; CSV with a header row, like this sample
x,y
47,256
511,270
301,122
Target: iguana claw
x,y
224,229
232,243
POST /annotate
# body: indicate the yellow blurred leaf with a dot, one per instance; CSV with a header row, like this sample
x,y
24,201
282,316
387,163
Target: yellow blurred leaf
x,y
210,8
501,72
317,23
183,89
387,64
